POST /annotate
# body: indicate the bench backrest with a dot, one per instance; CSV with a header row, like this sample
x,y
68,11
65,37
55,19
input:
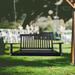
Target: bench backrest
x,y
36,41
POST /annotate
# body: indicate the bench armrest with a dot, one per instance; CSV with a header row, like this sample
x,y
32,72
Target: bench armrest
x,y
60,46
11,47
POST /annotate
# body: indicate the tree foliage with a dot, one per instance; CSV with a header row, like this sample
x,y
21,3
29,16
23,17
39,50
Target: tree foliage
x,y
33,9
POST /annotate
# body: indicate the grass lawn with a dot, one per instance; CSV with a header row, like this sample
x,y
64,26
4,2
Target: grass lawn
x,y
37,65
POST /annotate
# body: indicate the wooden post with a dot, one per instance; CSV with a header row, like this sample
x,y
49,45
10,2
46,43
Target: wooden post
x,y
73,39
72,3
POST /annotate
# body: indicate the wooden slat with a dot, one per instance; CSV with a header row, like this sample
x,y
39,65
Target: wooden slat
x,y
40,41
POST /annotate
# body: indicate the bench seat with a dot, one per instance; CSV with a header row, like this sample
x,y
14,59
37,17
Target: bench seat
x,y
36,53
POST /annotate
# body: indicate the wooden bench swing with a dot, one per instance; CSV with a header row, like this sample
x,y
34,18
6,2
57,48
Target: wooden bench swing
x,y
36,45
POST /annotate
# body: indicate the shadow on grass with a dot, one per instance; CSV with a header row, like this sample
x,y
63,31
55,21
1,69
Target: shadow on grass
x,y
4,51
16,73
10,62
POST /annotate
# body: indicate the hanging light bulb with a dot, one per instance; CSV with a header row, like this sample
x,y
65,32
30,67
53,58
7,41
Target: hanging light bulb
x,y
59,2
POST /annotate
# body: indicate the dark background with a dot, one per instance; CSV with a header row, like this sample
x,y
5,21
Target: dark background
x,y
33,8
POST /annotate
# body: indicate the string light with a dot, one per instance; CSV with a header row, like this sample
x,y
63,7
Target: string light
x,y
15,10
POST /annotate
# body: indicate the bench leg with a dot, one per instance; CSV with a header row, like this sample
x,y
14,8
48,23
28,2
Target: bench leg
x,y
60,49
11,50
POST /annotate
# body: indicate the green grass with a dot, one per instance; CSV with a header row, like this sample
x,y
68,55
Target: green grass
x,y
37,65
